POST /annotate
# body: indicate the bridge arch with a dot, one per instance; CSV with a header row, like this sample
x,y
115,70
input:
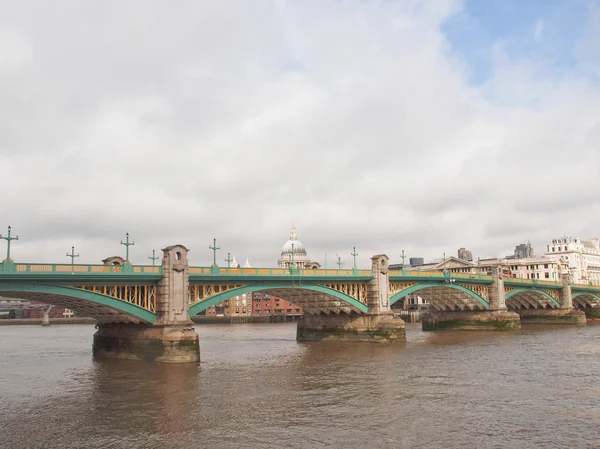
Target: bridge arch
x,y
324,297
586,300
105,309
528,298
457,302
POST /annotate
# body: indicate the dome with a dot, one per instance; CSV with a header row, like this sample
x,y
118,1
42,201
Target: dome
x,y
298,247
298,258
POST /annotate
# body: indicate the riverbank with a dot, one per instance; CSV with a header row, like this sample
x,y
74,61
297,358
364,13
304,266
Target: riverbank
x,y
243,319
195,319
38,321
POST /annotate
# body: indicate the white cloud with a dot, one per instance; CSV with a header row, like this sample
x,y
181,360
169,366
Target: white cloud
x,y
182,122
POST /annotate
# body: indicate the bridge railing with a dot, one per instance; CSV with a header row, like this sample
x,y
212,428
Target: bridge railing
x,y
531,281
37,268
276,271
438,274
586,286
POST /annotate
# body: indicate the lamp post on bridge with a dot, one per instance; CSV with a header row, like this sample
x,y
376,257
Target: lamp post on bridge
x,y
154,258
229,260
339,262
478,267
293,266
72,256
354,254
447,277
214,268
444,259
214,250
8,240
403,257
127,244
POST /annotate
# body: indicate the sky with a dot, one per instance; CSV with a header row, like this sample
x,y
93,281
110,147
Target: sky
x,y
413,125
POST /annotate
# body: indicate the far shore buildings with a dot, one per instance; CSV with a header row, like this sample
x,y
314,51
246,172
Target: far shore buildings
x,y
579,258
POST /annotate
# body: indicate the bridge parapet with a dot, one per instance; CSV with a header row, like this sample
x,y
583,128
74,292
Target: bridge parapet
x,y
533,282
41,268
415,275
210,271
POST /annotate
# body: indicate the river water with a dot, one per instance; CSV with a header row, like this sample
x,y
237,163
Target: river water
x,y
257,388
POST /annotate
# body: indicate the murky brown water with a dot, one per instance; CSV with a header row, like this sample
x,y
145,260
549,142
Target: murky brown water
x,y
258,388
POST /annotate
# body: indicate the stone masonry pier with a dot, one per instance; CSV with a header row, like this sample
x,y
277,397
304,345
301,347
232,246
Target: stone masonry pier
x,y
378,325
172,338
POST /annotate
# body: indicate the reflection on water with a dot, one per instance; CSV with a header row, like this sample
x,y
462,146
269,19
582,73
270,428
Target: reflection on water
x,y
257,388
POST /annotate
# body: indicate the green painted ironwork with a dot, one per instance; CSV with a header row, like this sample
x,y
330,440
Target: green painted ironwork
x,y
354,254
423,285
72,255
512,293
403,257
8,239
293,265
229,260
214,250
445,265
593,295
198,307
339,262
154,258
127,245
84,295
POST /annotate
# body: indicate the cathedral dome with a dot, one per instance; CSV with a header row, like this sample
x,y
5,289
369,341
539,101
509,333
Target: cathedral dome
x,y
298,257
293,242
297,244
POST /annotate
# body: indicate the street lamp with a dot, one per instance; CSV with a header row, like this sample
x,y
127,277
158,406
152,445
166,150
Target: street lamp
x,y
127,245
8,239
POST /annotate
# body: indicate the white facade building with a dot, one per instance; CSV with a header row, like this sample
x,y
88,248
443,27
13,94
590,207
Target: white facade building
x,y
582,257
538,268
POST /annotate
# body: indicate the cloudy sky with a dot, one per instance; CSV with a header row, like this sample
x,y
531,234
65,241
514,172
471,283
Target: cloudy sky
x,y
386,125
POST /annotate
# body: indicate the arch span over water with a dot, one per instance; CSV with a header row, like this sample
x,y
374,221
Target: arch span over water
x,y
438,285
531,296
105,309
307,296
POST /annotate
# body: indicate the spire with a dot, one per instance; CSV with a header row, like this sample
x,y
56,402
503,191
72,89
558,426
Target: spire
x,y
234,263
293,232
247,265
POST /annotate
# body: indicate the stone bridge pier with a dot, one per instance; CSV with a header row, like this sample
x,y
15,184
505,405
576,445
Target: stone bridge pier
x,y
497,317
171,339
566,314
378,325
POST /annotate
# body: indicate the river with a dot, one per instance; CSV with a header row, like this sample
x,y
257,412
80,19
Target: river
x,y
257,388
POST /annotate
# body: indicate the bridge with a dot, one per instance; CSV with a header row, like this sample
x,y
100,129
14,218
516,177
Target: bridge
x,y
144,311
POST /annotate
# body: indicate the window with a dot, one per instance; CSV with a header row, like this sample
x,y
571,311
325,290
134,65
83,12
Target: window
x,y
545,265
547,275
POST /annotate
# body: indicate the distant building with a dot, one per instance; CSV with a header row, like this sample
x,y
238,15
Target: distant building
x,y
582,258
416,261
523,251
465,254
